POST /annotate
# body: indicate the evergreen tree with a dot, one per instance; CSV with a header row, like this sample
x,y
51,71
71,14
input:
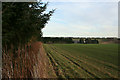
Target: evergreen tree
x,y
23,20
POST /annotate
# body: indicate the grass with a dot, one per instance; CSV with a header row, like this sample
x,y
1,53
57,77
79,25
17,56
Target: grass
x,y
84,60
22,65
104,52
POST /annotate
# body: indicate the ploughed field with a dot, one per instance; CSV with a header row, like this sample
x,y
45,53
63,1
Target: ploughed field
x,y
83,60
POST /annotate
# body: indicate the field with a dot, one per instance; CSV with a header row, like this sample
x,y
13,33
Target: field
x,y
83,60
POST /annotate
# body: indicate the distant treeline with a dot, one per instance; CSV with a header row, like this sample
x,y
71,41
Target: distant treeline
x,y
56,40
51,40
88,41
69,40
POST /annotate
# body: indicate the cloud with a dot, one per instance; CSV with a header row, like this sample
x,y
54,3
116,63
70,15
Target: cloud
x,y
83,19
81,0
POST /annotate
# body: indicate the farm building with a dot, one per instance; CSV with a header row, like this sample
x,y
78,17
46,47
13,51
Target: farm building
x,y
75,40
85,41
91,41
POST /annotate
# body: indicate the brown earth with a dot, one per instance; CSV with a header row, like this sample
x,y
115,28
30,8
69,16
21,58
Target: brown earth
x,y
108,42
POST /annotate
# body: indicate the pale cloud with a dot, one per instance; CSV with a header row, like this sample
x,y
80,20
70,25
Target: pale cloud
x,y
81,0
83,19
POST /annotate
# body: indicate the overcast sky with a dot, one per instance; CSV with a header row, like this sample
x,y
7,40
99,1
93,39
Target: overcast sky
x,y
83,19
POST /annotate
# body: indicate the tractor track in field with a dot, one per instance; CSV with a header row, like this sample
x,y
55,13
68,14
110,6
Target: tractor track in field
x,y
66,75
105,72
78,65
71,68
101,62
54,62
97,68
104,63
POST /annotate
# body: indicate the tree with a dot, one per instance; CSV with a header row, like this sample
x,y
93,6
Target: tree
x,y
81,41
22,21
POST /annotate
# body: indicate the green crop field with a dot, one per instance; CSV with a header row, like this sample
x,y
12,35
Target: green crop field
x,y
83,60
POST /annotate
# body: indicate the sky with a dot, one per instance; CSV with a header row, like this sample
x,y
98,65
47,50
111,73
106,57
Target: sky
x,y
83,19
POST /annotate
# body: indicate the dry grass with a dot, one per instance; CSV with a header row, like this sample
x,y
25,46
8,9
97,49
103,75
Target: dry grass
x,y
21,64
